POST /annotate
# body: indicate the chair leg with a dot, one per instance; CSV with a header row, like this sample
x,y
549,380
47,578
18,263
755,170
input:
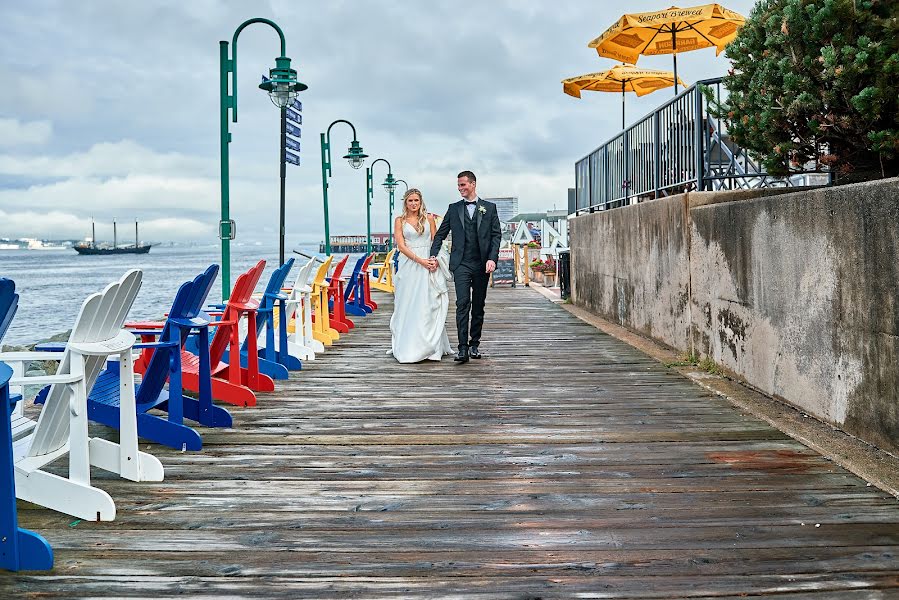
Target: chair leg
x,y
212,416
168,433
64,495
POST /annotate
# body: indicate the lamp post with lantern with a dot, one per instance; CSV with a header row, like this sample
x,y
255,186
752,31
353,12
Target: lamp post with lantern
x,y
282,87
389,185
356,158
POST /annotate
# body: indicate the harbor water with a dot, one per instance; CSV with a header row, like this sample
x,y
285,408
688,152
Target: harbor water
x,y
52,284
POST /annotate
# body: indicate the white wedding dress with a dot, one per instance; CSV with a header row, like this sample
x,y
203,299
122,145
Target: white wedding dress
x,y
421,301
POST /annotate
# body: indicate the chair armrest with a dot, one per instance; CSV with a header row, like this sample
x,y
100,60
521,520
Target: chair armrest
x,y
124,340
157,345
153,332
45,379
145,324
50,347
217,323
29,356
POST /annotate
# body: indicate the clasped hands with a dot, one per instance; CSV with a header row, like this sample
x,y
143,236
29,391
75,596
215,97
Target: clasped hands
x,y
431,265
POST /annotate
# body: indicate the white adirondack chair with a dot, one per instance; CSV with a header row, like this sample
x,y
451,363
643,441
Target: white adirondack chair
x,y
61,428
299,305
300,343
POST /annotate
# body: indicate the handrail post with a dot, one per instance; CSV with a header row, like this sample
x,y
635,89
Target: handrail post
x,y
656,154
699,160
626,168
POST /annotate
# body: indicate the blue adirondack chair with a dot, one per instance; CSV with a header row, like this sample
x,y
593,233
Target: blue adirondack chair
x,y
164,362
274,360
161,361
274,296
354,293
20,549
9,304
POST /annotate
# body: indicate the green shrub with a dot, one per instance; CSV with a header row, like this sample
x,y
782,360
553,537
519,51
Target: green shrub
x,y
816,83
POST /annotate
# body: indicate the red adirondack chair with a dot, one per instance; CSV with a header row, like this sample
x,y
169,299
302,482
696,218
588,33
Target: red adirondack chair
x,y
337,309
231,382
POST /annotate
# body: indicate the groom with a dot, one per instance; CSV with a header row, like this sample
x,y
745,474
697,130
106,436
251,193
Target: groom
x,y
476,237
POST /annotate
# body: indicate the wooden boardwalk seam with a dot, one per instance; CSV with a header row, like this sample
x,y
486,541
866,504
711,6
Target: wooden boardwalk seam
x,y
564,464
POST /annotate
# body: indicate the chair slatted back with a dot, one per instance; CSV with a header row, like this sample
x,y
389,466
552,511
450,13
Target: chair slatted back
x,y
273,292
302,279
9,304
101,318
322,272
351,287
338,271
188,303
241,294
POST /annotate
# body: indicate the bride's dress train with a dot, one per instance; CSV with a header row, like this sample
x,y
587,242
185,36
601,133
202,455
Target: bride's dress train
x,y
421,302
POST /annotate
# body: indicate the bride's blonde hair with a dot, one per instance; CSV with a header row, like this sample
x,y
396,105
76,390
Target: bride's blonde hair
x,y
422,215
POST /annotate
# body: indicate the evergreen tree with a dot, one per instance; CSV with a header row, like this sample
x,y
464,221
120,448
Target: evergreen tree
x,y
816,82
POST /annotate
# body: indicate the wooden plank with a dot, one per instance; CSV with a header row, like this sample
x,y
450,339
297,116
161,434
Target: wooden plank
x,y
565,463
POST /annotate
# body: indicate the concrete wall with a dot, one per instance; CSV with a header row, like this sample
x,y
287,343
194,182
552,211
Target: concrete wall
x,y
632,266
796,293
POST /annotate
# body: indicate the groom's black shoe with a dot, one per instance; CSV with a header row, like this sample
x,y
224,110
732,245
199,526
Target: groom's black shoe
x,y
473,352
462,356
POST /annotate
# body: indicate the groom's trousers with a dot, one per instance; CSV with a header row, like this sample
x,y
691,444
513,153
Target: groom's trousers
x,y
471,292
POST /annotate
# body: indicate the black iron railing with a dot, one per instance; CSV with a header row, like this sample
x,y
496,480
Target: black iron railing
x,y
680,146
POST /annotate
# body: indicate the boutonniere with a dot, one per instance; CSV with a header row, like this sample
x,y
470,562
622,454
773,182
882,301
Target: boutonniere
x,y
482,210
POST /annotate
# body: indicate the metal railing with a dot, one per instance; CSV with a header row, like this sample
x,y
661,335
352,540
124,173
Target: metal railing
x,y
678,147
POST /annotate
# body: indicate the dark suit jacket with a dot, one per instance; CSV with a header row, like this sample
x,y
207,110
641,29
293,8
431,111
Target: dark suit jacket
x,y
489,232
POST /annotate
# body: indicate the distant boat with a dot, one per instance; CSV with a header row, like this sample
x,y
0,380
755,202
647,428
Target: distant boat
x,y
93,248
34,244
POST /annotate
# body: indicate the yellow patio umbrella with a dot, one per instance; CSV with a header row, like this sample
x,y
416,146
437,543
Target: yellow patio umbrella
x,y
623,78
669,31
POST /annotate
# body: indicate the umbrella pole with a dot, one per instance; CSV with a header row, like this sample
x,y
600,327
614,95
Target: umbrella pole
x,y
622,106
674,54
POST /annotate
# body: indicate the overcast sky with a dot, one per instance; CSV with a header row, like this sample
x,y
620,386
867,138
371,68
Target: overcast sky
x,y
111,109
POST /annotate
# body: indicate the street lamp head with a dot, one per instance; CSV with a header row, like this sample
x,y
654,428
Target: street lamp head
x,y
282,85
390,183
355,155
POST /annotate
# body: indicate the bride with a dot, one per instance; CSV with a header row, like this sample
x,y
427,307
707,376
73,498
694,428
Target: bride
x,y
421,297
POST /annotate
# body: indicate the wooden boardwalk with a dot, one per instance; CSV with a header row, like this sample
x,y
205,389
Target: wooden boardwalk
x,y
565,464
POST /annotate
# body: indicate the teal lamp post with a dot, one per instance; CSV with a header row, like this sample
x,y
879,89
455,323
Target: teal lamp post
x,y
390,215
356,158
282,87
369,192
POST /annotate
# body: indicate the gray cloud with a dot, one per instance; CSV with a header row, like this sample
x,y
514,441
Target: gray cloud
x,y
113,106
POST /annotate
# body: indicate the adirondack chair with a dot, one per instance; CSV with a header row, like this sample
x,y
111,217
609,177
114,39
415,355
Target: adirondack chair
x,y
272,360
20,549
231,382
366,283
354,298
321,321
382,275
336,307
160,361
62,426
9,304
298,311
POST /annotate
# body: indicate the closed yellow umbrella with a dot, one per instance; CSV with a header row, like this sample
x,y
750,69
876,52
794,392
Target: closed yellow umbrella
x,y
623,78
669,32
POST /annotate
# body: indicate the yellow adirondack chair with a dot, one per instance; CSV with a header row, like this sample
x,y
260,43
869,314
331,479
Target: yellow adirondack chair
x,y
321,328
384,279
